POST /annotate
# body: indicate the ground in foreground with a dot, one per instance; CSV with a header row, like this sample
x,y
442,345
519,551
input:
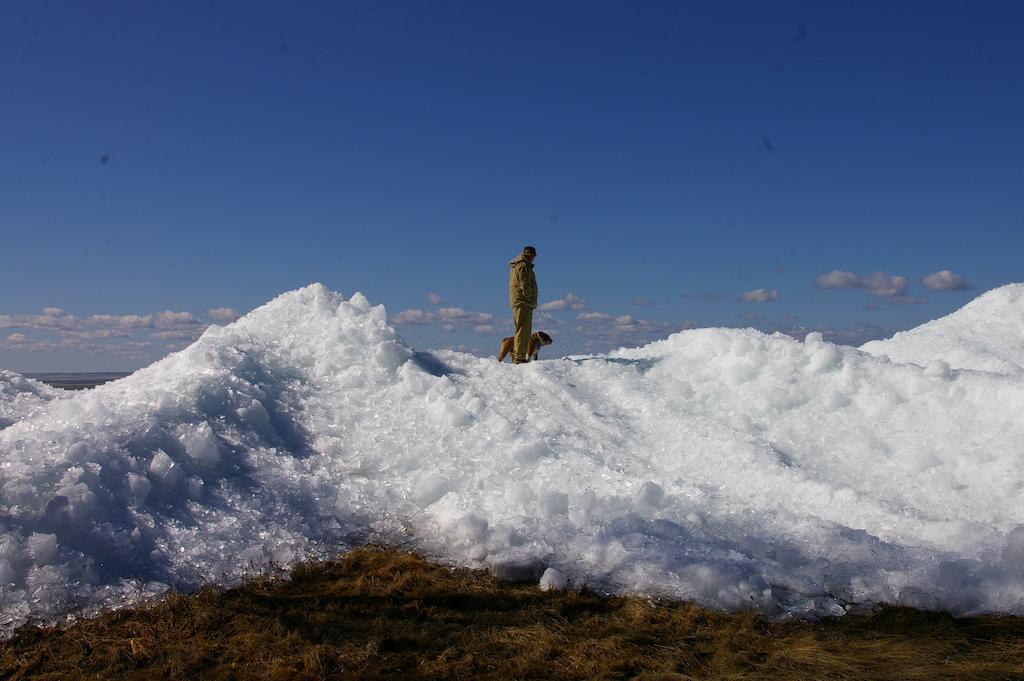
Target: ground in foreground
x,y
384,614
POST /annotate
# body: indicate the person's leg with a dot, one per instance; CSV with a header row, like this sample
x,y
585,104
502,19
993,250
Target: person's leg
x,y
523,319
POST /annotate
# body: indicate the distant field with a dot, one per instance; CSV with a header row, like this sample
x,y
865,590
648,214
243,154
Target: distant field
x,y
78,381
385,614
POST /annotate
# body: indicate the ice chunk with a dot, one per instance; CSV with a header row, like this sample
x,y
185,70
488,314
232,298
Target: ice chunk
x,y
468,529
518,494
58,510
255,416
649,497
9,545
555,504
7,574
553,580
164,470
938,368
1013,553
194,488
41,548
825,357
202,445
430,488
516,569
527,454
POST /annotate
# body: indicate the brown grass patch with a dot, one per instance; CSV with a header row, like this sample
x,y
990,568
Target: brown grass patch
x,y
384,614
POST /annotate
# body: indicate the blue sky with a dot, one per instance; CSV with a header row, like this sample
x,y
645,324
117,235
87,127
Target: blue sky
x,y
787,165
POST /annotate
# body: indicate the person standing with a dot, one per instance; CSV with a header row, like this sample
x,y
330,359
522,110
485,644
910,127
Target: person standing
x,y
522,295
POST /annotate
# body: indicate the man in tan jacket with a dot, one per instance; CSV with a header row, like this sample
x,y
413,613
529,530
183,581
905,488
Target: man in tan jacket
x,y
522,295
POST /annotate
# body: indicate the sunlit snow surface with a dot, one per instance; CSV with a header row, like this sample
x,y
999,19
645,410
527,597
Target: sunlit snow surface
x,y
22,397
986,334
725,466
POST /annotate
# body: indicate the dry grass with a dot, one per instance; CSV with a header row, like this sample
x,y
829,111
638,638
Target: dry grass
x,y
382,614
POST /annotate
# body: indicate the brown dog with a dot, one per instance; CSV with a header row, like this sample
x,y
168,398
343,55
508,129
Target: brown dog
x,y
537,341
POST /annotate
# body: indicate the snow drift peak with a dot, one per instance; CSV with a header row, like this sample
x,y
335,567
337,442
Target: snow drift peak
x,y
986,334
1003,304
311,334
1007,294
314,318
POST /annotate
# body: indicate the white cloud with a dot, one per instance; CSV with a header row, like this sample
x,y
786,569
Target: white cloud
x,y
127,321
22,343
889,288
885,286
96,334
52,322
838,279
484,328
414,317
34,321
945,280
760,295
223,315
602,330
105,333
449,317
175,320
541,320
435,299
570,302
81,345
457,315
178,334
128,347
66,322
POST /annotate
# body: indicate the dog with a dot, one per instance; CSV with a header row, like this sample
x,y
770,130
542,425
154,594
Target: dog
x,y
537,341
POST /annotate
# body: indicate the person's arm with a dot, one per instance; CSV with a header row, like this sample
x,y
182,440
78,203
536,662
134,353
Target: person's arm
x,y
530,287
517,283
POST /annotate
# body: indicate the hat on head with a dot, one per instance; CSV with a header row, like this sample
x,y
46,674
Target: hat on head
x,y
529,250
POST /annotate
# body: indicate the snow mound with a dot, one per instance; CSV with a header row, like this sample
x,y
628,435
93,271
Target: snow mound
x,y
987,334
725,466
22,397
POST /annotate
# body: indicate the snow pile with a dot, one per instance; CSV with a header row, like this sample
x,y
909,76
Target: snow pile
x,y
726,466
987,334
21,397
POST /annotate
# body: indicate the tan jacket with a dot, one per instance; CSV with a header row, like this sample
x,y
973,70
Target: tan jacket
x,y
522,284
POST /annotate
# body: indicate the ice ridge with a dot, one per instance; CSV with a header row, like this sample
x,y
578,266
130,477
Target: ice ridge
x,y
727,466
